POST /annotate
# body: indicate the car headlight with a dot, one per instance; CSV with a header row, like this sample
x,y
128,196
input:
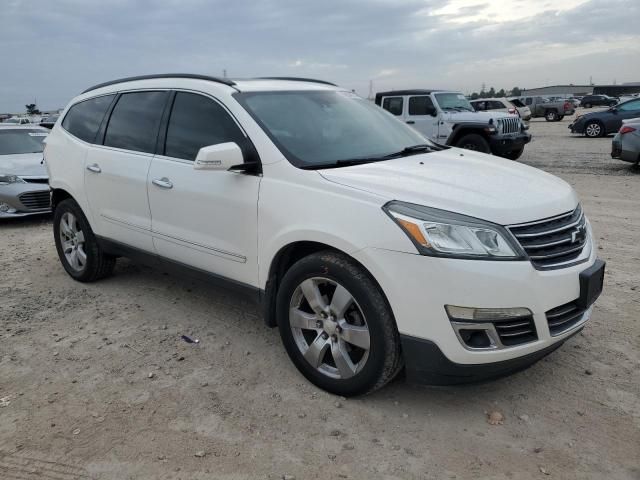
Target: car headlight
x,y
9,179
441,233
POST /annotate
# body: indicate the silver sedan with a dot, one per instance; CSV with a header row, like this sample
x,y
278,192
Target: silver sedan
x,y
626,143
24,182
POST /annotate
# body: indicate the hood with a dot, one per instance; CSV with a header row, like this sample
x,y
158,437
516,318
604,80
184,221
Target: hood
x,y
478,117
598,114
23,165
482,186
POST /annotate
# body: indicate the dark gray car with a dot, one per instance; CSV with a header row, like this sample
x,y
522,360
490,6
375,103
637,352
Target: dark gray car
x,y
604,122
626,143
24,183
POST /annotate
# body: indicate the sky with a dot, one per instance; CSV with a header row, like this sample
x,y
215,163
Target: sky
x,y
52,50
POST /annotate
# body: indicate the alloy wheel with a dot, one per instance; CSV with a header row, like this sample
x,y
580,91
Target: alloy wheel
x,y
329,328
73,241
593,130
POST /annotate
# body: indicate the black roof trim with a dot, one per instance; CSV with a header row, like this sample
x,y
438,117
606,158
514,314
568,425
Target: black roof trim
x,y
391,93
224,81
298,79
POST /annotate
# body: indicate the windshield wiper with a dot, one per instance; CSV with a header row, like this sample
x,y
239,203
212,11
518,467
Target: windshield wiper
x,y
405,152
413,149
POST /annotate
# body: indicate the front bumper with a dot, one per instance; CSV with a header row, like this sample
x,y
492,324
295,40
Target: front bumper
x,y
576,127
426,364
25,199
505,143
418,287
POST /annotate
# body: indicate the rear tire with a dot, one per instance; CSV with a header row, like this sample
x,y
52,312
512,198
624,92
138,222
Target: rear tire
x,y
594,129
587,105
344,339
551,116
77,246
475,142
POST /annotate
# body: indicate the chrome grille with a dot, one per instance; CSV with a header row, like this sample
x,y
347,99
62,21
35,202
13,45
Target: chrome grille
x,y
564,317
36,200
509,125
555,241
517,331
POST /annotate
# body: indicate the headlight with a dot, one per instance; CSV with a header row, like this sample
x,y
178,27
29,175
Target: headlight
x,y
9,179
441,233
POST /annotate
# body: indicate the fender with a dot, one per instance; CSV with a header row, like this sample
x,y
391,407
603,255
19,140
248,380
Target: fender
x,y
459,128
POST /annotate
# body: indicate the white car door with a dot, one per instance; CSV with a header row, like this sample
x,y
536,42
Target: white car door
x,y
422,115
203,218
116,171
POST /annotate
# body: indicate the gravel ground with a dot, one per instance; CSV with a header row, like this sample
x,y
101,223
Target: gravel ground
x,y
95,381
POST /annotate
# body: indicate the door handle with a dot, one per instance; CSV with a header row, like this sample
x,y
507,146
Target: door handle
x,y
94,167
410,122
163,182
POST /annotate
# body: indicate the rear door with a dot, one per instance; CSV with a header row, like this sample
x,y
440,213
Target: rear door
x,y
422,115
203,218
116,171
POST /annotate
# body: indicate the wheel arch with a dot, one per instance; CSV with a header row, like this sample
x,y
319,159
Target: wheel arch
x,y
284,259
58,195
461,129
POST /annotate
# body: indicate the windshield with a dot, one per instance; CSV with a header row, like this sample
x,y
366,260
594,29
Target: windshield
x,y
15,142
316,129
453,101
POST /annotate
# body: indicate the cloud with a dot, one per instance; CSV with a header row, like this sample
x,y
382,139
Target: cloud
x,y
53,50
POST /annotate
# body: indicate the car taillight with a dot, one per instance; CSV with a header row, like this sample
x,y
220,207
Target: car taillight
x,y
567,106
627,129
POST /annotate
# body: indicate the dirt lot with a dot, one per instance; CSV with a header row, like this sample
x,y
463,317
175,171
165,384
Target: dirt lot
x,y
95,381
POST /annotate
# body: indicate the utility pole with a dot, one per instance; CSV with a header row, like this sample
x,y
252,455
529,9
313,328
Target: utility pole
x,y
224,73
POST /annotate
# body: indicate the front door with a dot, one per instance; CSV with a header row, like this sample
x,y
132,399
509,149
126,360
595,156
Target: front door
x,y
203,218
116,171
627,110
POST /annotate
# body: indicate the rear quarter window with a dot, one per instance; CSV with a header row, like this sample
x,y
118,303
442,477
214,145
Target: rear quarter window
x,y
84,118
393,105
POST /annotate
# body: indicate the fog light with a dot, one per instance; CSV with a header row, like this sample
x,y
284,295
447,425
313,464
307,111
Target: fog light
x,y
6,208
475,338
470,314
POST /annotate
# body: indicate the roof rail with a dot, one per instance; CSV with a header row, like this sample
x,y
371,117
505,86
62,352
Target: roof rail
x,y
298,79
225,81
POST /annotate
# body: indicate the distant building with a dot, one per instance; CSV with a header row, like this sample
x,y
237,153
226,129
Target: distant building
x,y
571,90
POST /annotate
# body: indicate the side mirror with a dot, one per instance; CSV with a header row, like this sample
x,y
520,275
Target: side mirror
x,y
222,156
432,111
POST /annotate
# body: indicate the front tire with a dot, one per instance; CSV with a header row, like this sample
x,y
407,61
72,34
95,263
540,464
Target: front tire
x,y
78,249
336,325
594,130
475,142
587,105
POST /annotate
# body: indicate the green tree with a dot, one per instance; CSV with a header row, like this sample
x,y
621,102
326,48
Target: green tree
x,y
32,109
501,93
516,92
491,93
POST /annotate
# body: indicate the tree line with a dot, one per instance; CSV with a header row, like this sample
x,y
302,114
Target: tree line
x,y
491,93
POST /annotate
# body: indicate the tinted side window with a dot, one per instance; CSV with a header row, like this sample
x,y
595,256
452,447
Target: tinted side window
x,y
135,120
630,106
197,122
393,105
420,106
494,105
528,100
84,118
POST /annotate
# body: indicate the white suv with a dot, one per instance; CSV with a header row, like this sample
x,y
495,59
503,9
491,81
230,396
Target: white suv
x,y
369,247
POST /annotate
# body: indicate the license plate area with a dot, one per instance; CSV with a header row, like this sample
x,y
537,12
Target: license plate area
x,y
591,283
